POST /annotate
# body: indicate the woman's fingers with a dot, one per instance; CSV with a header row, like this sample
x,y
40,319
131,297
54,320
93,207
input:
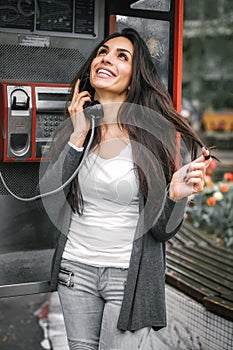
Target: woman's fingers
x,y
194,174
78,102
190,178
197,185
81,124
78,99
197,168
206,153
76,88
76,91
205,157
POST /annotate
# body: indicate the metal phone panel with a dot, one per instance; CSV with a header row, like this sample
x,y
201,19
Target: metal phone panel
x,y
51,102
51,98
19,121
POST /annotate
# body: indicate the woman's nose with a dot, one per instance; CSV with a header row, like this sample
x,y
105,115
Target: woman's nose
x,y
107,58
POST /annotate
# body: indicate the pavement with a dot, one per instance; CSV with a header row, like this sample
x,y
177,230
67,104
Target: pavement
x,y
35,322
32,322
56,327
19,328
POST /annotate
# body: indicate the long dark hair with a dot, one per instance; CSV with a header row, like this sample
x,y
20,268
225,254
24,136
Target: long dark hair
x,y
147,102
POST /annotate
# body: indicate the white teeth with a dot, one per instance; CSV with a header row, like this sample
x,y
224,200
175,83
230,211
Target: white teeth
x,y
105,72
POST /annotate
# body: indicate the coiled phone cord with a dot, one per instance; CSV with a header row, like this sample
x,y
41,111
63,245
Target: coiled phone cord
x,y
56,190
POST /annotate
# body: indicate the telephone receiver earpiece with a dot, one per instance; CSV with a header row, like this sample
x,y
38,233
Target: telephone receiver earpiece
x,y
93,110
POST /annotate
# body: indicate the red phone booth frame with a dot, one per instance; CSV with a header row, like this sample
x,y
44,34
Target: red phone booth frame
x,y
177,52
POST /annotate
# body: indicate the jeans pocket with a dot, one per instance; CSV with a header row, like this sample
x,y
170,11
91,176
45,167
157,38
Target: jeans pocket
x,y
65,277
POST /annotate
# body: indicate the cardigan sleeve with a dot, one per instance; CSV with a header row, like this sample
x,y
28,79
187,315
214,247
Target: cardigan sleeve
x,y
61,170
169,220
56,174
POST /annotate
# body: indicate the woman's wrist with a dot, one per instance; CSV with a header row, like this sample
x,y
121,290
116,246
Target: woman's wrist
x,y
173,195
78,140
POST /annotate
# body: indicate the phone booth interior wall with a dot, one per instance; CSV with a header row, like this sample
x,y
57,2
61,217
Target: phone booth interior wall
x,y
35,56
42,46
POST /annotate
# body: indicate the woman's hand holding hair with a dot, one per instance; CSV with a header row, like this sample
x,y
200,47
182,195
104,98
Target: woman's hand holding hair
x,y
190,178
81,124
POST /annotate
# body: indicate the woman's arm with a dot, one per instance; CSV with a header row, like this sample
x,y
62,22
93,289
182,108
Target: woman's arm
x,y
57,173
169,219
186,181
61,170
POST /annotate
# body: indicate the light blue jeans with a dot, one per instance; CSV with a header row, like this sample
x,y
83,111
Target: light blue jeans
x,y
91,299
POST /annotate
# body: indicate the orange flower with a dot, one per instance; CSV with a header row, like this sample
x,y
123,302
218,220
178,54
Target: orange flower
x,y
228,176
211,201
208,181
213,164
224,187
211,167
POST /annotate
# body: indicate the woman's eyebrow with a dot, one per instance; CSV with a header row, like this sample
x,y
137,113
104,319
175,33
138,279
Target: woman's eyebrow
x,y
124,50
118,49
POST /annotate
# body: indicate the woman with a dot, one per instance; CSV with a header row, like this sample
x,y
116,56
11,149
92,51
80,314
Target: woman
x,y
127,200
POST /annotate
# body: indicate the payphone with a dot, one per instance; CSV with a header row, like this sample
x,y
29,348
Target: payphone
x,y
29,115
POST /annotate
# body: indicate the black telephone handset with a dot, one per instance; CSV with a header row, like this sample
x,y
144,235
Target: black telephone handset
x,y
93,110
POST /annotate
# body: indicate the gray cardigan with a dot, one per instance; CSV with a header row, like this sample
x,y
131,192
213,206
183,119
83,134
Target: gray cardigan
x,y
144,297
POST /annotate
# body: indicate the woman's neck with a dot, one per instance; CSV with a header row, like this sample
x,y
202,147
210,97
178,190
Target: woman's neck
x,y
110,126
110,112
111,105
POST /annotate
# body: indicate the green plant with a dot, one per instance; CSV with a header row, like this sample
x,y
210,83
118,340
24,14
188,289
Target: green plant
x,y
212,209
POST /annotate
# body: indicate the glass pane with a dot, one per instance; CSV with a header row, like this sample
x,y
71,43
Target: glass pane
x,y
53,16
18,15
211,9
156,35
228,6
191,10
154,5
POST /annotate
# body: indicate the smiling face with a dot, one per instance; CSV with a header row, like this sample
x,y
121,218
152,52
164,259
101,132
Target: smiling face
x,y
111,69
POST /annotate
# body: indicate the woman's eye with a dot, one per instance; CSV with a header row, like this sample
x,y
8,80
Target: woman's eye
x,y
123,56
101,52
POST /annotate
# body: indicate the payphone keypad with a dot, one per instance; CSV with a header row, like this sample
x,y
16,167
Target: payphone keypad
x,y
47,124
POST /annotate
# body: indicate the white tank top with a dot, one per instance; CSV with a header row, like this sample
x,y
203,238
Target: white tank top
x,y
103,235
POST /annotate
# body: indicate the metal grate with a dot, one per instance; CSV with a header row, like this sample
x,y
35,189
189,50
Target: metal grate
x,y
39,64
191,326
21,178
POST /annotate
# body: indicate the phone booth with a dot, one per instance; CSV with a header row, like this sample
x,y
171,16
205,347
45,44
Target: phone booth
x,y
160,23
39,59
